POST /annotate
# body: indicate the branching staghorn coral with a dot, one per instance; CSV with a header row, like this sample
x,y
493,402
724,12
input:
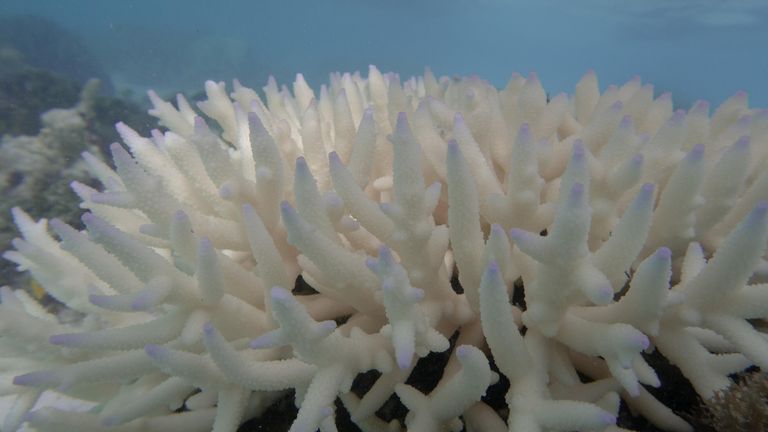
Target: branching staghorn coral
x,y
624,226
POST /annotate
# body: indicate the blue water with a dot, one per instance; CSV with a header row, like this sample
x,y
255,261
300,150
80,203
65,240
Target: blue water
x,y
698,49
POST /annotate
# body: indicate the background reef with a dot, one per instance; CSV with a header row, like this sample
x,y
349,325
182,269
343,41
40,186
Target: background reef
x,y
55,103
697,48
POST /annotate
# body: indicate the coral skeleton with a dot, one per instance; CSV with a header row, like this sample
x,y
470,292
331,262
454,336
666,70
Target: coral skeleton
x,y
560,239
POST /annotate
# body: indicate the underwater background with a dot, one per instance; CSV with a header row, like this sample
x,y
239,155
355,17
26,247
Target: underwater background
x,y
50,49
698,49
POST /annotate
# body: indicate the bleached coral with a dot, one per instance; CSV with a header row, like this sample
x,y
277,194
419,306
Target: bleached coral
x,y
619,225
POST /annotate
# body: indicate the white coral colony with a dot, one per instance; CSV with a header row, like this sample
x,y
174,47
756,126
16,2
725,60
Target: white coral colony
x,y
627,227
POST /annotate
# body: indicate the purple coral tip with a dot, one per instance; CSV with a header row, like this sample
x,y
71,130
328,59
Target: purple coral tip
x,y
371,263
677,118
744,121
31,417
577,190
34,379
142,301
385,253
279,294
604,294
608,419
453,147
116,148
700,107
205,243
493,267
110,421
62,339
404,361
760,209
388,285
742,143
286,207
154,351
248,208
208,328
664,253
254,120
696,153
578,149
462,351
301,164
98,299
643,341
517,234
648,188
